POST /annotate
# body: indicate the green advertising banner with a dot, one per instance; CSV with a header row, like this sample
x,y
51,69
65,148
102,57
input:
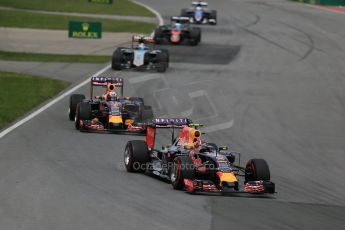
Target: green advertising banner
x,y
101,1
79,29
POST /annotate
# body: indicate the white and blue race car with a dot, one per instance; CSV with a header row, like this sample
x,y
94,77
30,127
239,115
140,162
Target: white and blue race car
x,y
199,13
140,56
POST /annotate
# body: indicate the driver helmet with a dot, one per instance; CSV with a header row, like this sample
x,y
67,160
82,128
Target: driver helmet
x,y
208,148
112,96
141,46
178,26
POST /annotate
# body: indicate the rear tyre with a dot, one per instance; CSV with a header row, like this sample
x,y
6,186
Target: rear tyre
x,y
184,13
137,99
213,16
195,36
116,59
166,53
73,102
257,169
147,114
162,61
158,36
182,168
136,156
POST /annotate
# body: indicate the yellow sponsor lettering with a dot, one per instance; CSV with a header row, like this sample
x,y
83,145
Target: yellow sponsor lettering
x,y
77,34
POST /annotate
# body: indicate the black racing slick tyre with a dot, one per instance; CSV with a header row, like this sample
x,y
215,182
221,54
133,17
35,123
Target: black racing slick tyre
x,y
213,15
116,59
137,99
257,169
195,36
158,35
184,13
147,114
182,168
83,112
73,102
136,156
167,56
162,62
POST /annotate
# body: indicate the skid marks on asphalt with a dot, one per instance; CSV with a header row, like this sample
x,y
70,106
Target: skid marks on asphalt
x,y
186,101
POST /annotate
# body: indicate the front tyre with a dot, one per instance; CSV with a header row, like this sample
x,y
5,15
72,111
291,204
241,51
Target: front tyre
x,y
182,168
257,169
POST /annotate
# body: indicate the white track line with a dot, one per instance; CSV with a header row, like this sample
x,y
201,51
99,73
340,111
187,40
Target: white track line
x,y
46,106
155,12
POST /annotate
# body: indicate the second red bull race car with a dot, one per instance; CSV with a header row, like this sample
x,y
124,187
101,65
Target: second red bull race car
x,y
109,111
195,165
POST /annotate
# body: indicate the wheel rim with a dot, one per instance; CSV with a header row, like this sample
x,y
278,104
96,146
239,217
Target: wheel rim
x,y
174,173
127,156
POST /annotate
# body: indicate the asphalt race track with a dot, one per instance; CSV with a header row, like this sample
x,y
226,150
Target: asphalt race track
x,y
274,89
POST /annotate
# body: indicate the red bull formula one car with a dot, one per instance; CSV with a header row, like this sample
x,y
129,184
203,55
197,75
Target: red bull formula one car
x,y
178,32
109,111
195,165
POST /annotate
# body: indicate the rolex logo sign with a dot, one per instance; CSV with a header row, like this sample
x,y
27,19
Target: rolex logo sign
x,y
91,30
85,26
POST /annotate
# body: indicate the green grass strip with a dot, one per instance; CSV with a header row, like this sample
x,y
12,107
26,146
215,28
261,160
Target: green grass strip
x,y
14,56
119,7
19,93
55,22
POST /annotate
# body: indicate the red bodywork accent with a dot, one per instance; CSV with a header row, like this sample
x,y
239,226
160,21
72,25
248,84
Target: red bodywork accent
x,y
219,174
175,36
150,137
197,162
257,187
189,184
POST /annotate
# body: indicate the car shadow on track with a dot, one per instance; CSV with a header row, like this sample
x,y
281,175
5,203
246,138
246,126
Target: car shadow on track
x,y
204,53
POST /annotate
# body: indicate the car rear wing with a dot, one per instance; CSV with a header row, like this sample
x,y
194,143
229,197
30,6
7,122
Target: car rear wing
x,y
147,39
182,20
170,122
111,83
199,3
163,123
117,81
